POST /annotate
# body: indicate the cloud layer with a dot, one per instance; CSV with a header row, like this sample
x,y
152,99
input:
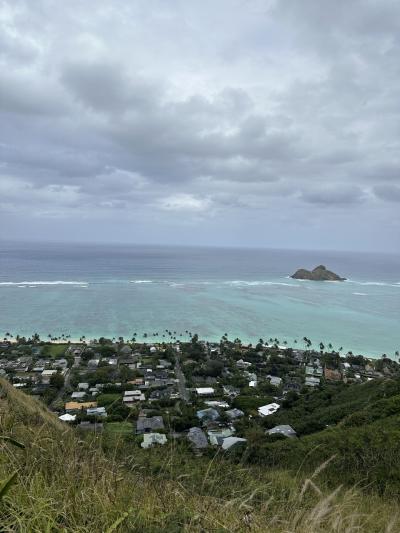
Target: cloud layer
x,y
261,123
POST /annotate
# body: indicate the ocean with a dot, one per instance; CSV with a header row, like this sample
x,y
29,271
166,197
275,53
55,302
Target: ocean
x,y
120,290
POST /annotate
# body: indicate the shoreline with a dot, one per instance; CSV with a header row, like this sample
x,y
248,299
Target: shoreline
x,y
157,341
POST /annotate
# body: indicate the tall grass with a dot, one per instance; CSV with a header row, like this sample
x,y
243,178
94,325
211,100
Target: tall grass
x,y
65,483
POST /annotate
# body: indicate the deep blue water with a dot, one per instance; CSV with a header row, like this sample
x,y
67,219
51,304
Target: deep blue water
x,y
120,290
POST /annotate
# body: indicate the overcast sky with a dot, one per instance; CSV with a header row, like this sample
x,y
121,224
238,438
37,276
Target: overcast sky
x,y
222,122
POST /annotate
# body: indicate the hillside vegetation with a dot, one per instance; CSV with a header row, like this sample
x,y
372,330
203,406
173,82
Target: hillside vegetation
x,y
53,479
361,436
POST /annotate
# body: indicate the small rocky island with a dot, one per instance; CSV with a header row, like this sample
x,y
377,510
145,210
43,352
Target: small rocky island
x,y
320,273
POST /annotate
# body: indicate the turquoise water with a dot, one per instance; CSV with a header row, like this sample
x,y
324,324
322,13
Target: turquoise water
x,y
120,290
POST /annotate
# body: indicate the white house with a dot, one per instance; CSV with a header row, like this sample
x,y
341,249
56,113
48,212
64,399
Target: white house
x,y
67,417
46,375
205,391
149,439
217,403
133,396
268,409
231,441
78,395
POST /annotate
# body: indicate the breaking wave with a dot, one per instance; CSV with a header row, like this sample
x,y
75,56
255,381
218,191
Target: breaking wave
x,y
38,283
374,283
259,283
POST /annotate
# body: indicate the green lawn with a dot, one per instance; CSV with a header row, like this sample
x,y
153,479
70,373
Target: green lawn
x,y
103,400
55,350
119,428
115,432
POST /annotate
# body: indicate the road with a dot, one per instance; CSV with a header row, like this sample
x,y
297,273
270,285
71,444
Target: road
x,y
60,393
184,393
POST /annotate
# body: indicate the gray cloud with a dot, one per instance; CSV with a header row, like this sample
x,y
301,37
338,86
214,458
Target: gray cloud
x,y
342,196
143,114
390,193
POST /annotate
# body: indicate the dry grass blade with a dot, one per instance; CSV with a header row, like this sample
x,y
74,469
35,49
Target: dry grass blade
x,y
322,467
12,441
6,485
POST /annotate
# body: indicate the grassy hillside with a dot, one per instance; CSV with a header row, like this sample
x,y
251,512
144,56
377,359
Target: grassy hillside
x,y
65,483
361,436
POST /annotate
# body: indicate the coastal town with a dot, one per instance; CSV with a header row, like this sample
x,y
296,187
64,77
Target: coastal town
x,y
207,394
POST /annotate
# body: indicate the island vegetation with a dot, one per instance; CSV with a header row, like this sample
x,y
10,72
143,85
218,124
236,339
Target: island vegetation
x,y
319,273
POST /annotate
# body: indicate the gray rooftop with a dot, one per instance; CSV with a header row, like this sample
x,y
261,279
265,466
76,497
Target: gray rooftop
x,y
197,437
146,425
283,429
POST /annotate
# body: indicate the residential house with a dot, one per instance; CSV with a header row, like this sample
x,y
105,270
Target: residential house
x,y
150,439
197,438
147,425
217,435
229,442
242,365
60,363
221,404
269,409
46,375
96,411
283,429
312,381
205,391
76,406
67,417
332,375
234,413
131,396
78,395
207,414
230,391
275,381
